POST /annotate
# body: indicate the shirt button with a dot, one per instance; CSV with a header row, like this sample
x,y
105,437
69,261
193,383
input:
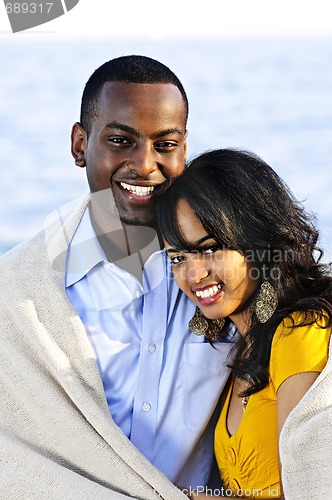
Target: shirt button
x,y
231,456
146,407
152,347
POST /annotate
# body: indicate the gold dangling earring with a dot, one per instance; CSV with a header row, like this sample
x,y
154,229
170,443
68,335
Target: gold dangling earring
x,y
265,303
201,325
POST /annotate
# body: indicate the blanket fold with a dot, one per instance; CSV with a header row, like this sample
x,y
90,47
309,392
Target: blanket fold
x,y
57,438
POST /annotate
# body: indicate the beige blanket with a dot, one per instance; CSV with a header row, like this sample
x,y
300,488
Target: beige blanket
x,y
57,438
306,443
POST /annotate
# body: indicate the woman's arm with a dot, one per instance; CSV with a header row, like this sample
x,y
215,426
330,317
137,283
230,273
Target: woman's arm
x,y
290,392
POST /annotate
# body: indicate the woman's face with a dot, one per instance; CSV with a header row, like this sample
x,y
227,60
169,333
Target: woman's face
x,y
218,280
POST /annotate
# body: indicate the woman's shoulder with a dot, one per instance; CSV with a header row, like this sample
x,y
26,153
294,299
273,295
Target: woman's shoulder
x,y
299,322
300,344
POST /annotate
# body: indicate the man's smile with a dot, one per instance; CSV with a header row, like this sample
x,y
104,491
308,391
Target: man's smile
x,y
137,189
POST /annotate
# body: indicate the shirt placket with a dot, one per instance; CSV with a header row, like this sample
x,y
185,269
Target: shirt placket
x,y
145,410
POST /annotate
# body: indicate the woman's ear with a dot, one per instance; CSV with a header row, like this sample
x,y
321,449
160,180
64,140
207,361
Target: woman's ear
x,y
78,144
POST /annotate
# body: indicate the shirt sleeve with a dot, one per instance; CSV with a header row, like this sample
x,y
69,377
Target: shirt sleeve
x,y
297,350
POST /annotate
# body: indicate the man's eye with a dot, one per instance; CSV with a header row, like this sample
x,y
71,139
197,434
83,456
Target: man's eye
x,y
177,259
118,140
165,146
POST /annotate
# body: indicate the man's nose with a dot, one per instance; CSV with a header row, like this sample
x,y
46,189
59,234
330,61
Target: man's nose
x,y
143,161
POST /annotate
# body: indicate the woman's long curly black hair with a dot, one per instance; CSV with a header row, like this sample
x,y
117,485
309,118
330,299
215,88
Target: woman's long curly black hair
x,y
245,206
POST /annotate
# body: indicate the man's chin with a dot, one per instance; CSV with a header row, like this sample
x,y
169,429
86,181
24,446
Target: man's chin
x,y
139,222
136,220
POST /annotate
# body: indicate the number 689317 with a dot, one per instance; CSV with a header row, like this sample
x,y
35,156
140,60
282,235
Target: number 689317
x,y
29,8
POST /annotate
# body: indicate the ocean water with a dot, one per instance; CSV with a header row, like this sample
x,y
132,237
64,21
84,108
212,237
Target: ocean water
x,y
272,96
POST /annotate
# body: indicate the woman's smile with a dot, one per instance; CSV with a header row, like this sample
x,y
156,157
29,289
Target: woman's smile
x,y
208,294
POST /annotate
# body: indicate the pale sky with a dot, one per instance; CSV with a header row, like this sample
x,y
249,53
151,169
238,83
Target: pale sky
x,y
187,19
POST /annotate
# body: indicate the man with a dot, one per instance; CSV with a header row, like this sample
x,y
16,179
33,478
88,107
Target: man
x,y
94,328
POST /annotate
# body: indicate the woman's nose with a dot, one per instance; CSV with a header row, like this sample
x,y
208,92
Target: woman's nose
x,y
197,270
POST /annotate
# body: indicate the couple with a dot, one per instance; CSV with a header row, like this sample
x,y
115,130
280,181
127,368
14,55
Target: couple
x,y
94,325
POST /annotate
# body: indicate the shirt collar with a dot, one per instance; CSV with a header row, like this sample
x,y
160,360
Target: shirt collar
x,y
84,251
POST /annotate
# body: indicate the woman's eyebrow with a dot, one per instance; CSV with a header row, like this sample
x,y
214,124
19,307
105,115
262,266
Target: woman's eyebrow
x,y
171,250
202,240
192,246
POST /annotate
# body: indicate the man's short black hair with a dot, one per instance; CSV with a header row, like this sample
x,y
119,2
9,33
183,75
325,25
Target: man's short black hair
x,y
130,69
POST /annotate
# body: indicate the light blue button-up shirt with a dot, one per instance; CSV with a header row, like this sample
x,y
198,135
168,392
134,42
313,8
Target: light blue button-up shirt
x,y
161,382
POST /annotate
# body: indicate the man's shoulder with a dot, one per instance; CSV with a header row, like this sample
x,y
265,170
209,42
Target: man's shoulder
x,y
56,220
20,257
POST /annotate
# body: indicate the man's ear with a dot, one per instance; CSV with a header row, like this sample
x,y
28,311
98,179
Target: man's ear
x,y
185,145
78,144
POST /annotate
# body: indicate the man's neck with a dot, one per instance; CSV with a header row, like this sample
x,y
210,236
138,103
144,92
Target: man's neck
x,y
128,246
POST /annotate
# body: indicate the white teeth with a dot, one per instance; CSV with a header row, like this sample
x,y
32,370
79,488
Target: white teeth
x,y
138,190
208,292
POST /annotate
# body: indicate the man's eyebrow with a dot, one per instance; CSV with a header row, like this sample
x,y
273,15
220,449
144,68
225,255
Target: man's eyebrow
x,y
136,133
124,128
168,131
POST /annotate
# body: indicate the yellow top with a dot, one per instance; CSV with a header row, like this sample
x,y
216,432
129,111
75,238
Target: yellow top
x,y
248,460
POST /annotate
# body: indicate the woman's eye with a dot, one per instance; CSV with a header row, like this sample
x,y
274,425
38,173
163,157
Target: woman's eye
x,y
210,249
177,259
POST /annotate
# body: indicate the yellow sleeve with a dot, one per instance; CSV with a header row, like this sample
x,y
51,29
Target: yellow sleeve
x,y
296,350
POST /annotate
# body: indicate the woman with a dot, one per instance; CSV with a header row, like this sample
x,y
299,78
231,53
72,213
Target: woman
x,y
244,250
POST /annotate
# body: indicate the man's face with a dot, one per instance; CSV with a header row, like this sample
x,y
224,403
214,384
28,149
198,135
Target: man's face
x,y
137,143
